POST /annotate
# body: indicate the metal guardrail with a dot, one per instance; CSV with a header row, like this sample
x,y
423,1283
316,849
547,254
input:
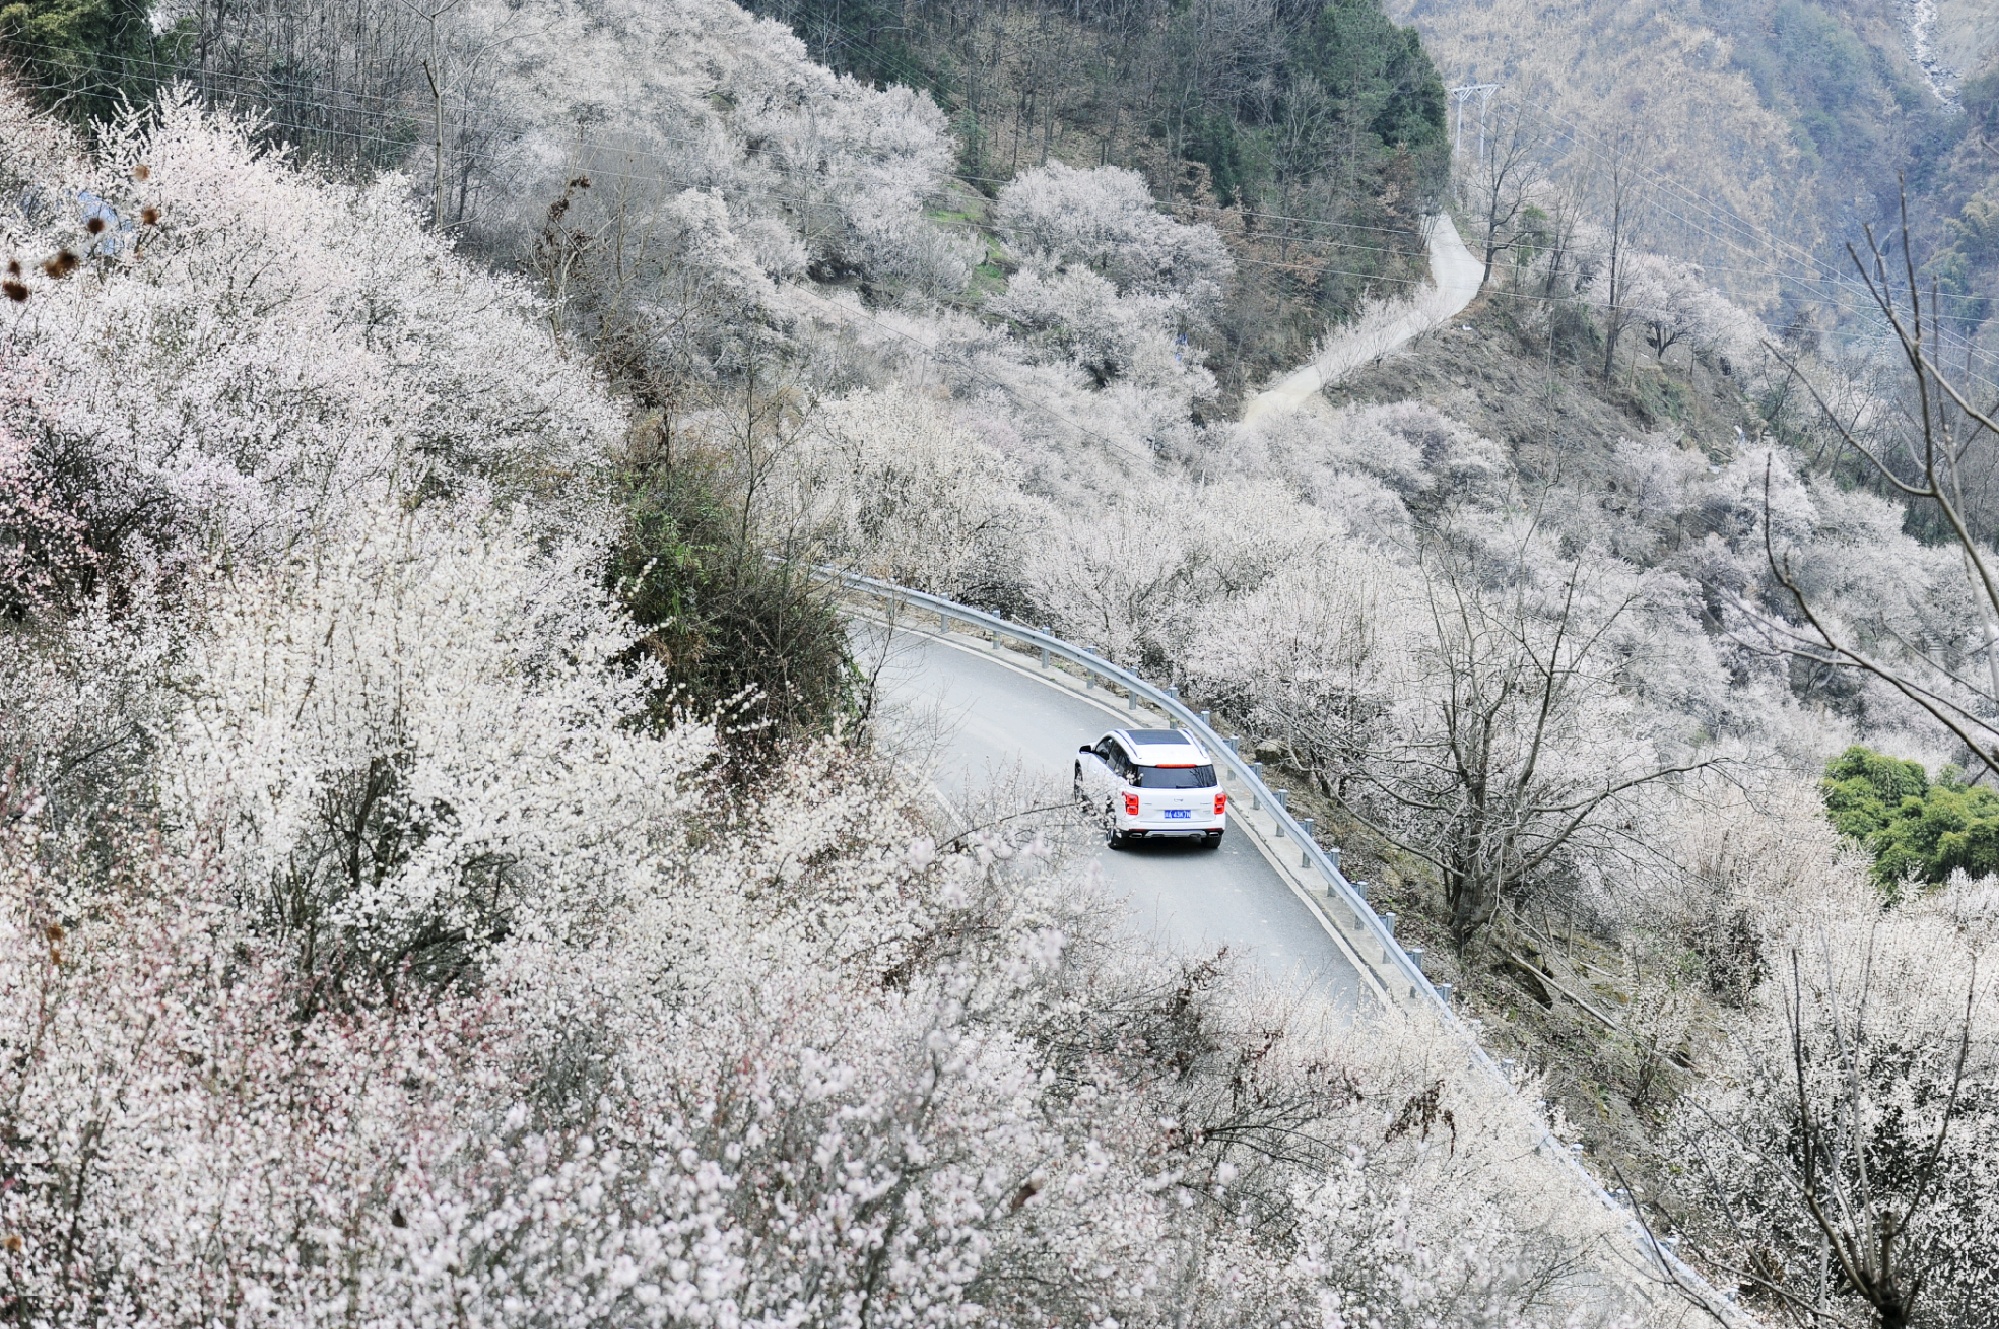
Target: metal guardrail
x,y
1397,961
1250,773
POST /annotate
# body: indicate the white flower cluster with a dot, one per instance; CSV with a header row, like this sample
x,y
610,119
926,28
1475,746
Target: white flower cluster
x,y
260,351
1859,1082
368,956
650,99
1106,219
1108,283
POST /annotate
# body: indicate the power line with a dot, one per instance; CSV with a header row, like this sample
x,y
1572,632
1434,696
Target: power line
x,y
388,112
1835,287
848,39
1575,132
1845,291
599,171
1459,96
276,114
465,107
644,178
1666,184
1779,247
1846,294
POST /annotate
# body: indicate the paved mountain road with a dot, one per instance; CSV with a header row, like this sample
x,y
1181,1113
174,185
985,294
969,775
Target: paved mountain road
x,y
998,723
1456,275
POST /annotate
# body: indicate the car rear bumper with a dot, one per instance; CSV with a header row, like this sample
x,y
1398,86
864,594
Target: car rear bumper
x,y
1169,830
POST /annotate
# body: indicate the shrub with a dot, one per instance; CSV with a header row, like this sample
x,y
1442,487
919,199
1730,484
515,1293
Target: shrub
x,y
86,53
729,628
1915,828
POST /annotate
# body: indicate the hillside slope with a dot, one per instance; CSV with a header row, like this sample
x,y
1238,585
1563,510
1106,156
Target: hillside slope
x,y
1778,129
1311,136
361,593
443,974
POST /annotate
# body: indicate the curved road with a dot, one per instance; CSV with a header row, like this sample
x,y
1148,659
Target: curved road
x,y
996,723
1000,723
1456,274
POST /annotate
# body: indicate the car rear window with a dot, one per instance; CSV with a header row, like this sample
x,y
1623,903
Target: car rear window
x,y
1173,777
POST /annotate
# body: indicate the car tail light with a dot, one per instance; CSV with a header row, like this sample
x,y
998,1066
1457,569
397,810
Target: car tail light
x,y
1221,804
1131,805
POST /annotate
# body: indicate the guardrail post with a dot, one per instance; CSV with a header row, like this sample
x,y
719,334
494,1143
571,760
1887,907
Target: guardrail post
x,y
1388,923
1283,797
1172,692
1361,888
1415,954
1205,720
1130,700
1233,743
1444,991
1307,824
1333,852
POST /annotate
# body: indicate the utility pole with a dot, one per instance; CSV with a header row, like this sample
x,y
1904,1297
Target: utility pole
x,y
433,72
1461,95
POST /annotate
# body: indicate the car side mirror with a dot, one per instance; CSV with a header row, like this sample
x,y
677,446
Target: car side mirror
x,y
1086,748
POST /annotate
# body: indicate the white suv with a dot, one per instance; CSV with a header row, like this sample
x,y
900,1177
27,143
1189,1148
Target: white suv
x,y
1151,784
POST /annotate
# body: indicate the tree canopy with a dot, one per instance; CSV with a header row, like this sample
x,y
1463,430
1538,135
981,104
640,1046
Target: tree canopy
x,y
1916,828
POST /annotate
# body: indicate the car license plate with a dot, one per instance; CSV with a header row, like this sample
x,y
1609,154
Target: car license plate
x,y
1179,814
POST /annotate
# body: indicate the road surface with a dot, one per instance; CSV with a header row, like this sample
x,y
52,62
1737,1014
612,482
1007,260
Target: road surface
x,y
996,724
1457,275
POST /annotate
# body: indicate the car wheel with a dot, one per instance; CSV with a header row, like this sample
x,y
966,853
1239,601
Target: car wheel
x,y
1113,837
1076,786
1213,840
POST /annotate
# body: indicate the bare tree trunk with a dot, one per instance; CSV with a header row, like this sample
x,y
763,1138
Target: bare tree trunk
x,y
1490,792
1503,183
1624,198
